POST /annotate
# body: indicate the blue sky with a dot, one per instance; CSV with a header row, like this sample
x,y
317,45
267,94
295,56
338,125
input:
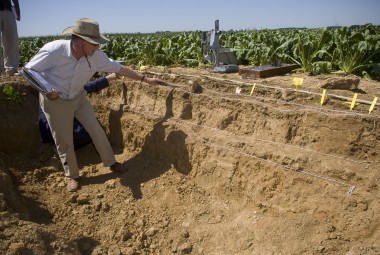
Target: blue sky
x,y
46,17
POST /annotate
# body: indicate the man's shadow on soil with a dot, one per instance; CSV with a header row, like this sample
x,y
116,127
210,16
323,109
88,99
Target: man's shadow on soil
x,y
158,154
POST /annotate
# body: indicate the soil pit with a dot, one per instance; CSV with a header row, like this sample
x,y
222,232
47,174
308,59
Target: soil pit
x,y
212,172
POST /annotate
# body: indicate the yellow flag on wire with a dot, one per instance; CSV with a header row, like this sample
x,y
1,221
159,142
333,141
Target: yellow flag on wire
x,y
373,104
143,68
297,82
323,96
353,102
253,88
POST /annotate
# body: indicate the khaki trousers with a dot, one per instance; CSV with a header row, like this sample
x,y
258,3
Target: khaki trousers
x,y
9,39
60,115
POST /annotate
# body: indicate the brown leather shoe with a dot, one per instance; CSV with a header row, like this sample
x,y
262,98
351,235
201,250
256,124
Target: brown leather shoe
x,y
118,168
72,184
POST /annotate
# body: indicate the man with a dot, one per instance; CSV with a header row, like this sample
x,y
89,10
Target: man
x,y
80,136
69,64
10,61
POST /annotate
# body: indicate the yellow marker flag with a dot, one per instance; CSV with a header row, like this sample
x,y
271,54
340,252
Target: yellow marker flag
x,y
373,104
353,103
323,96
253,88
297,82
143,68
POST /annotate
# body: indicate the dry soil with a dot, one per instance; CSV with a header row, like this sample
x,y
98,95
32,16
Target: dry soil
x,y
268,170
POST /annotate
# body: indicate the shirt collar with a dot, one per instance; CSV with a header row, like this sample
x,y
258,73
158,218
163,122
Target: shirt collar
x,y
68,51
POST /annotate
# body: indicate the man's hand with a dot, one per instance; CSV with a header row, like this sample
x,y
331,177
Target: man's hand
x,y
53,95
112,76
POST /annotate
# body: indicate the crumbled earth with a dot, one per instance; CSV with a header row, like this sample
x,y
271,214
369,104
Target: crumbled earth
x,y
268,170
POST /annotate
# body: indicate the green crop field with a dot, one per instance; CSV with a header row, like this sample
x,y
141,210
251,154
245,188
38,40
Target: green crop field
x,y
348,49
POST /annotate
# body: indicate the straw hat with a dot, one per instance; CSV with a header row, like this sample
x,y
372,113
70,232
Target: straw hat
x,y
87,29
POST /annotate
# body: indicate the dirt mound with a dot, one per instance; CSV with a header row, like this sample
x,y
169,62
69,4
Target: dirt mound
x,y
211,171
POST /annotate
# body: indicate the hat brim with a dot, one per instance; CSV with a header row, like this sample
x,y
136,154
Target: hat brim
x,y
94,40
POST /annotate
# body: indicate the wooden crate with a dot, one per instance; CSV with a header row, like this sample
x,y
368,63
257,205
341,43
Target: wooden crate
x,y
268,70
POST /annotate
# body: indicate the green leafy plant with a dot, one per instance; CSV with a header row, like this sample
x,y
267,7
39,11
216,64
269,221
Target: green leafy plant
x,y
375,70
354,50
321,67
12,95
309,48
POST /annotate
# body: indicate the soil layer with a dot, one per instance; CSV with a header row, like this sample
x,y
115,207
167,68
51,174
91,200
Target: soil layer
x,y
217,165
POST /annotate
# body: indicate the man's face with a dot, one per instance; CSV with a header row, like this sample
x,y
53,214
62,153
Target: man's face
x,y
89,48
